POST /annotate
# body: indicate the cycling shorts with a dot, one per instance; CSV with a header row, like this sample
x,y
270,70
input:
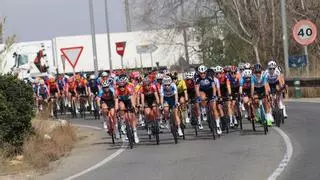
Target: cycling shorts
x,y
208,92
260,91
149,100
170,101
127,103
109,103
273,87
53,92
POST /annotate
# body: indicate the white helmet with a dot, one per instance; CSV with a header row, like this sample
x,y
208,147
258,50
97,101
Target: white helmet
x,y
167,80
213,69
202,68
219,69
104,74
247,66
159,76
41,82
272,64
189,75
247,73
92,76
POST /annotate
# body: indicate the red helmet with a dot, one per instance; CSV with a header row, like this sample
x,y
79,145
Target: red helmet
x,y
134,75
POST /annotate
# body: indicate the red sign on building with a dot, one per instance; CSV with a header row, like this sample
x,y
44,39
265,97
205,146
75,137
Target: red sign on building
x,y
120,47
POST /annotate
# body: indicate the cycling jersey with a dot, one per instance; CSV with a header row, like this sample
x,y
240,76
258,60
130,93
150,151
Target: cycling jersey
x,y
224,83
148,93
81,87
124,95
246,85
206,86
190,88
43,91
53,88
107,97
61,84
168,91
272,79
234,84
259,84
181,87
93,85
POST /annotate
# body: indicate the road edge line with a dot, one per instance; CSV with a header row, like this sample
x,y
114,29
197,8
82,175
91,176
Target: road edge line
x,y
99,164
286,158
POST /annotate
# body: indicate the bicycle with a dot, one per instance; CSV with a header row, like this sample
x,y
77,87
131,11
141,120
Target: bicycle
x,y
276,111
111,126
194,117
262,113
127,118
182,123
153,125
82,101
173,126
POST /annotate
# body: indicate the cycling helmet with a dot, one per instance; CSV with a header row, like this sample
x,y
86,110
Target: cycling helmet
x,y
257,67
202,69
134,74
227,68
110,81
241,66
167,80
219,69
85,76
52,79
146,82
189,75
279,69
233,69
159,76
92,76
105,84
104,74
70,80
122,81
41,82
247,73
213,69
165,71
272,64
247,66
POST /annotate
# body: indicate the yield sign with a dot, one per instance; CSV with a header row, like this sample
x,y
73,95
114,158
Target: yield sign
x,y
72,54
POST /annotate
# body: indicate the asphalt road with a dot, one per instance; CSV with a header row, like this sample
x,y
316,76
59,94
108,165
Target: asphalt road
x,y
239,155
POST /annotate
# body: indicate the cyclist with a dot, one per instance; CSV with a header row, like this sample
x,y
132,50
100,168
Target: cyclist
x,y
190,83
106,102
182,95
275,82
81,89
206,92
159,78
234,79
225,94
70,89
259,88
93,89
54,91
149,96
169,98
245,88
42,93
124,100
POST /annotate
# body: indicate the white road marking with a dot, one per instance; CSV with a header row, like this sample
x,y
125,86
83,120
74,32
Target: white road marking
x,y
101,163
87,126
286,158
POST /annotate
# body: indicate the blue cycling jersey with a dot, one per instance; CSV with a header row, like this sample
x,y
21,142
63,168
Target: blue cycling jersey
x,y
259,82
205,84
168,91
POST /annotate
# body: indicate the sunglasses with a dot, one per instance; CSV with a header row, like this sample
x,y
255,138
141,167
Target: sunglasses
x,y
202,73
233,73
167,85
272,69
258,72
218,73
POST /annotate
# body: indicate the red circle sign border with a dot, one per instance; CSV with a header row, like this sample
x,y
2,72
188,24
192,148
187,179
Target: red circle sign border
x,y
296,29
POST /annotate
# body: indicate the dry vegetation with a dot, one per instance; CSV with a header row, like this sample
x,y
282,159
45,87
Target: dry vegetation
x,y
51,141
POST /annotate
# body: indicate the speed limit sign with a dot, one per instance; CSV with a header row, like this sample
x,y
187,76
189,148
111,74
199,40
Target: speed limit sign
x,y
305,32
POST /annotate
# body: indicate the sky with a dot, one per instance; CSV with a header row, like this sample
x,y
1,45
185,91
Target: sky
x,y
33,20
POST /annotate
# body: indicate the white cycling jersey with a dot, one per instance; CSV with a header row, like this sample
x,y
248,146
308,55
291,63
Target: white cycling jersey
x,y
272,78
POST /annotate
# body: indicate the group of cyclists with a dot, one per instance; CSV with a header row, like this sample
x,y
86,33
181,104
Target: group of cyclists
x,y
200,93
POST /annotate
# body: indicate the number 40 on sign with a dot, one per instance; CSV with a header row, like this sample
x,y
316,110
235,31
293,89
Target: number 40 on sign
x,y
305,32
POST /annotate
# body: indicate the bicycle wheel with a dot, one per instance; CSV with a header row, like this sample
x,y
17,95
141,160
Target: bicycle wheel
x,y
55,109
156,131
173,128
263,119
73,109
129,134
82,108
251,117
282,116
194,122
213,125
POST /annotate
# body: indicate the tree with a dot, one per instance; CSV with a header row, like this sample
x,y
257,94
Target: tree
x,y
9,41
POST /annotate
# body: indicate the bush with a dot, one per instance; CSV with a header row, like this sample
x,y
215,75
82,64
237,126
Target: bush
x,y
16,111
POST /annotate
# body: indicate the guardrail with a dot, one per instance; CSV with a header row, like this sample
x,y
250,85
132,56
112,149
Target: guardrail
x,y
304,82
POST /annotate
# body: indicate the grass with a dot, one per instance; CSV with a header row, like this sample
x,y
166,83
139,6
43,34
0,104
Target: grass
x,y
39,152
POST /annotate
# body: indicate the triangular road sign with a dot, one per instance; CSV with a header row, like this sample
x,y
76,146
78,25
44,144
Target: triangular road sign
x,y
72,54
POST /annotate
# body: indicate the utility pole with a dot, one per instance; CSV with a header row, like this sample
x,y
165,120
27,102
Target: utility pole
x,y
285,36
184,31
93,37
128,20
108,34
